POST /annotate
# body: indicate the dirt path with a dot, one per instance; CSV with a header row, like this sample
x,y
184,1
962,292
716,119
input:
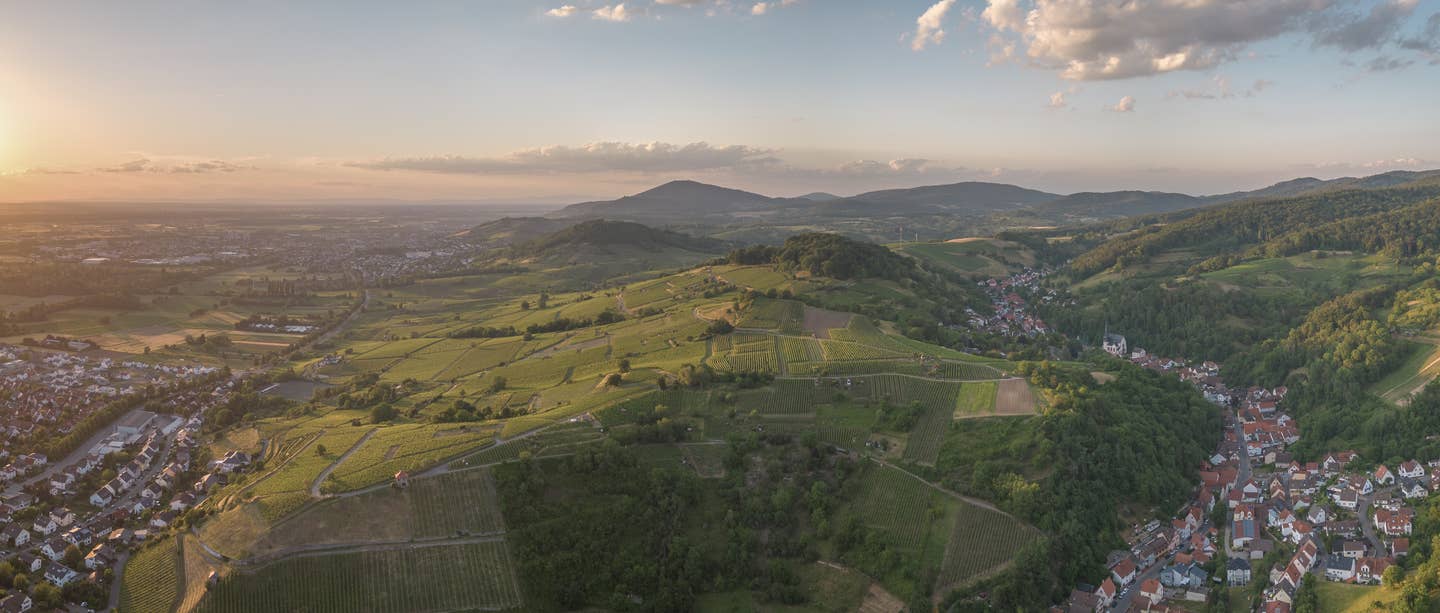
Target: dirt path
x,y
958,496
325,474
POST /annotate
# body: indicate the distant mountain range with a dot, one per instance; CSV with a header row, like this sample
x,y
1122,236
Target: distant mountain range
x,y
692,203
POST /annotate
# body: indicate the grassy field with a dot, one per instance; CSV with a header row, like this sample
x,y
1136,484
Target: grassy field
x,y
425,578
152,579
1422,366
979,257
1345,598
1332,272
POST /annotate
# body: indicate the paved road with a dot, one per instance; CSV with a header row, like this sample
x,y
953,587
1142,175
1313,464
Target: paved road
x,y
325,474
114,603
75,456
1367,527
1244,474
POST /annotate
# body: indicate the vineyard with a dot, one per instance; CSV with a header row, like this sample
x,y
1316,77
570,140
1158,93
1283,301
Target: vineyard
x,y
980,541
305,463
152,579
897,506
461,502
901,390
396,448
746,353
928,435
787,316
784,397
415,578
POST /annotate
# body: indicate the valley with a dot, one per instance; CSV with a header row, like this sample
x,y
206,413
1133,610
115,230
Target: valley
x,y
820,423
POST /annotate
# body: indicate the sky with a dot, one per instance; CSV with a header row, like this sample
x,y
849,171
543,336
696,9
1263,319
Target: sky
x,y
553,101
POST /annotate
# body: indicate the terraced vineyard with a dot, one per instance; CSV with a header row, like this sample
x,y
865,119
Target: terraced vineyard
x,y
152,579
396,448
422,578
306,464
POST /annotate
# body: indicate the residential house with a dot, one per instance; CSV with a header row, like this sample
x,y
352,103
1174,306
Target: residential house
x,y
16,534
1383,476
1340,568
1237,572
1124,572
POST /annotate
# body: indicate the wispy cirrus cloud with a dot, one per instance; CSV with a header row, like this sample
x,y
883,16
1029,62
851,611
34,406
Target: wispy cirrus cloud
x,y
1219,88
590,158
196,167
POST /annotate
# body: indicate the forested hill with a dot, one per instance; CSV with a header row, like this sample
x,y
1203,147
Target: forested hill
x,y
829,255
626,234
1234,227
1135,440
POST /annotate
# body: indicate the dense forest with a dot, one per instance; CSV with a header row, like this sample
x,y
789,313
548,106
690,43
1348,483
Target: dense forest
x,y
1232,227
667,536
1137,439
1184,319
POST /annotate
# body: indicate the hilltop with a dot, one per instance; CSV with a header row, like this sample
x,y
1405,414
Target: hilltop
x,y
932,212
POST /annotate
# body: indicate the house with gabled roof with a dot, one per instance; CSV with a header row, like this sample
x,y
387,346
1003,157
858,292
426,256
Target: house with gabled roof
x,y
1383,476
16,534
1124,572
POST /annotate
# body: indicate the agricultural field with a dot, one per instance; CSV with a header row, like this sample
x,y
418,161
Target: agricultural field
x,y
427,577
979,257
1318,270
395,448
980,541
202,307
785,316
1420,368
459,502
977,398
910,516
152,579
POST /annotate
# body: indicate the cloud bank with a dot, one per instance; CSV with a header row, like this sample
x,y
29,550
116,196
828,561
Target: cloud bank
x,y
1087,40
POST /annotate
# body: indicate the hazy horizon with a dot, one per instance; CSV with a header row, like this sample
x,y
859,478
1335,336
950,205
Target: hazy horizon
x,y
521,101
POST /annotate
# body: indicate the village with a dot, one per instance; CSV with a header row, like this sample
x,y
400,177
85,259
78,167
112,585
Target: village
x,y
46,394
73,525
1260,519
1013,316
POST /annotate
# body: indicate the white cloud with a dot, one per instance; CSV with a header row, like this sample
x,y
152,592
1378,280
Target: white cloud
x,y
870,168
615,13
563,11
929,27
1220,89
1057,100
760,8
1125,105
1118,39
590,158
